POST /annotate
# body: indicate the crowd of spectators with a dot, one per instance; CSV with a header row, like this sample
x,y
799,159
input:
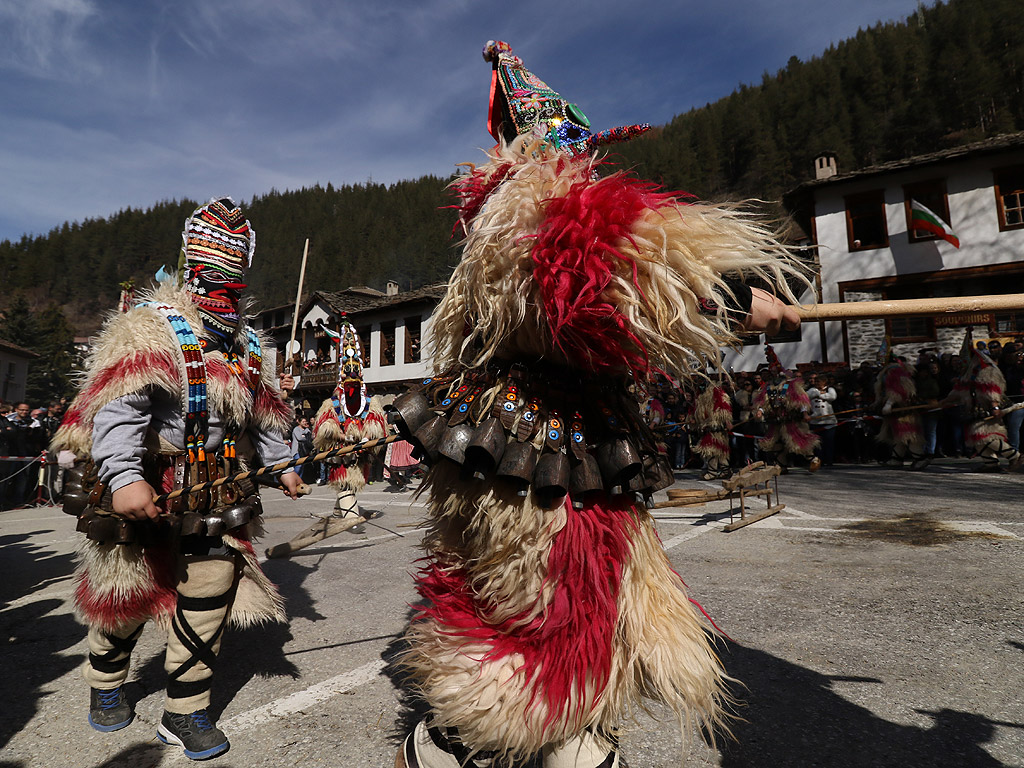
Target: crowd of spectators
x,y
843,411
25,433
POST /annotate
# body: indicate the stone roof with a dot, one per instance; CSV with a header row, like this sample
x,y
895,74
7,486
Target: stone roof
x,y
7,346
355,301
1000,143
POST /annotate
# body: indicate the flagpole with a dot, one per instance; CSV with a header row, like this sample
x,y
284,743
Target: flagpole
x,y
298,298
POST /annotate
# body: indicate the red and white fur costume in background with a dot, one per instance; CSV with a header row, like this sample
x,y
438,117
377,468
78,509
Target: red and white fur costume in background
x,y
120,584
785,405
346,418
895,388
543,627
713,415
980,392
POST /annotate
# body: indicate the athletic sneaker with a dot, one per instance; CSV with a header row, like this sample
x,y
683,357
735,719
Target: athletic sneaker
x,y
109,710
196,733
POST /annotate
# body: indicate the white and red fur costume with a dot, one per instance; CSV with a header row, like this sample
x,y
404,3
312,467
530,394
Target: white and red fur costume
x,y
541,620
713,416
785,404
896,387
979,391
346,418
121,584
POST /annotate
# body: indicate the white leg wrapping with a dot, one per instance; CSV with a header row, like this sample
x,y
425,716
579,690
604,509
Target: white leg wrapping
x,y
109,658
346,505
205,590
585,751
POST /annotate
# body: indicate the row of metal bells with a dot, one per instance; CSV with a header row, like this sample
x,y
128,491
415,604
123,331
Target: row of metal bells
x,y
220,522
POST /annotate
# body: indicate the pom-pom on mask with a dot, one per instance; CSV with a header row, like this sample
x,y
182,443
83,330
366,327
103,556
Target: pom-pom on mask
x,y
218,244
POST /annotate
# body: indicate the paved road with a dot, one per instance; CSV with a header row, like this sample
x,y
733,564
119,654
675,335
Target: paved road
x,y
877,621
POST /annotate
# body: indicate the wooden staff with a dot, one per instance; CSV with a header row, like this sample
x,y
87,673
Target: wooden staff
x,y
298,298
256,473
947,305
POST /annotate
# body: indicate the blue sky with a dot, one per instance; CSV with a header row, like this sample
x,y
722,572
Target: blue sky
x,y
106,104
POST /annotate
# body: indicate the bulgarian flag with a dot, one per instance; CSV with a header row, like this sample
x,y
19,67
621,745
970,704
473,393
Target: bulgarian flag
x,y
923,218
332,335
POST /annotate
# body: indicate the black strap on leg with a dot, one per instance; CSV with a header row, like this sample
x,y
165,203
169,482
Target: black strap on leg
x,y
199,650
108,663
452,744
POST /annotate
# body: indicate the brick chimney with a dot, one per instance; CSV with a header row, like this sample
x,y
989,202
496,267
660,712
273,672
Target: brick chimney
x,y
392,288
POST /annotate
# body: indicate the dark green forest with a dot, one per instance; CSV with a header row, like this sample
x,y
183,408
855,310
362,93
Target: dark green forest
x,y
950,74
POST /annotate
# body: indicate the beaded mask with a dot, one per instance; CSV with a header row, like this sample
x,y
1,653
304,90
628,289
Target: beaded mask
x,y
521,103
218,243
350,395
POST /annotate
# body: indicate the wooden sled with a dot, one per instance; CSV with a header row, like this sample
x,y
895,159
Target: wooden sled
x,y
754,480
318,531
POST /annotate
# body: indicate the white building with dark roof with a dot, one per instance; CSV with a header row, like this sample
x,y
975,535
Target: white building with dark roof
x,y
867,250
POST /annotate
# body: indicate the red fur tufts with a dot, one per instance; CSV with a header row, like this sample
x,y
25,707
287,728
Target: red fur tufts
x,y
475,187
576,253
570,643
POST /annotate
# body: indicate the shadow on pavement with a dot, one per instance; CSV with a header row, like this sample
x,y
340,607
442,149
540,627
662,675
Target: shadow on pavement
x,y
791,716
34,641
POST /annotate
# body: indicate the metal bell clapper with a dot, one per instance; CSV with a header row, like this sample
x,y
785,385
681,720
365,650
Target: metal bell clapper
x,y
518,464
486,447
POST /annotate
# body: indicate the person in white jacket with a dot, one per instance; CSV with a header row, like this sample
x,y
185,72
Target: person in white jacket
x,y
823,418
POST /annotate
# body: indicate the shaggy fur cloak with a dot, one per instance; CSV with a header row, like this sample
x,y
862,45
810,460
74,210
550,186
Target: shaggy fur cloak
x,y
784,408
118,584
329,432
539,620
895,384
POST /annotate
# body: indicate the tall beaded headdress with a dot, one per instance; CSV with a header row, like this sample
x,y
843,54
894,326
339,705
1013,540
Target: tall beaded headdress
x,y
522,103
217,244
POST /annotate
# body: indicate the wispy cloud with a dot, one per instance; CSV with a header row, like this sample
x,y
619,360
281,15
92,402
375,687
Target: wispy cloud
x,y
46,38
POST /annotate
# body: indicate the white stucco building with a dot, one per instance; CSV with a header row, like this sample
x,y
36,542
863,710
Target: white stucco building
x,y
860,222
394,329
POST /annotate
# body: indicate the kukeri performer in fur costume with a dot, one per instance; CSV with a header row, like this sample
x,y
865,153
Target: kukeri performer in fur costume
x,y
785,407
549,606
713,416
980,395
895,388
348,417
176,392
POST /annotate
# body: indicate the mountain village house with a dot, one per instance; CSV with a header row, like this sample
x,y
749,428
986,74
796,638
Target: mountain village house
x,y
867,250
393,327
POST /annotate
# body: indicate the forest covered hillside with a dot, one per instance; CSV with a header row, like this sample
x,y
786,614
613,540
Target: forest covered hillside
x,y
950,74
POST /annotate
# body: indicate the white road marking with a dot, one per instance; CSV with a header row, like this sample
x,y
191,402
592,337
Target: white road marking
x,y
305,700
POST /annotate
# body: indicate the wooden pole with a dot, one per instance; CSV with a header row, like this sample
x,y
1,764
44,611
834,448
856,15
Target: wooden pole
x,y
947,305
298,298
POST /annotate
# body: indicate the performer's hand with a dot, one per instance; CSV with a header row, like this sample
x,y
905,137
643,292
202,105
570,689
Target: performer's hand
x,y
769,314
287,384
135,501
291,482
